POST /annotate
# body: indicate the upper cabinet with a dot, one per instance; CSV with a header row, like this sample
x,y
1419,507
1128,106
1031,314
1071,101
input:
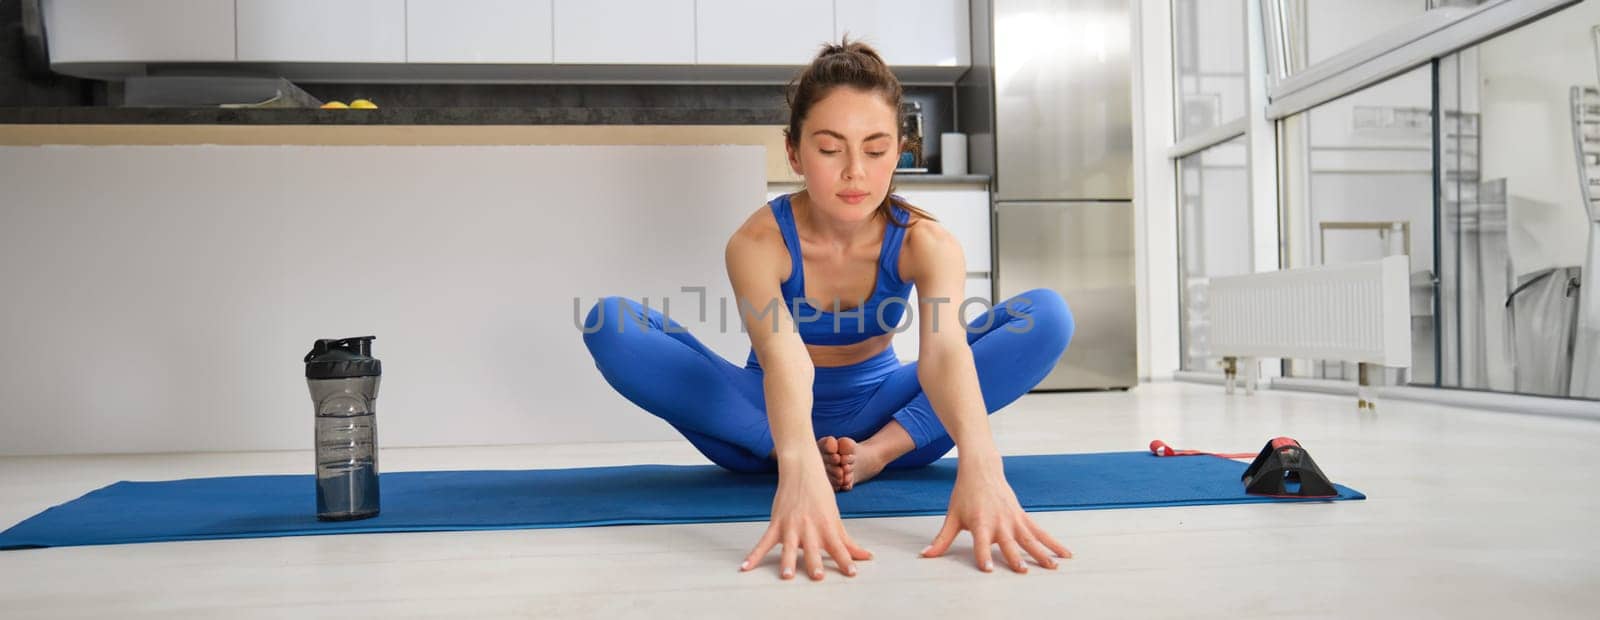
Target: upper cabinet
x,y
478,31
624,32
925,33
747,41
761,32
348,31
145,31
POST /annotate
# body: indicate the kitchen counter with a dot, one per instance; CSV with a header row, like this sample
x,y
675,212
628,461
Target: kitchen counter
x,y
100,115
147,134
257,132
941,179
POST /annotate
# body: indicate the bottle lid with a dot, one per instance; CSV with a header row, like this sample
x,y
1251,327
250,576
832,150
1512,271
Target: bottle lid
x,y
342,358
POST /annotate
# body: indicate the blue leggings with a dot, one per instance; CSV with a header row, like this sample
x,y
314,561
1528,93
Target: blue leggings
x,y
721,408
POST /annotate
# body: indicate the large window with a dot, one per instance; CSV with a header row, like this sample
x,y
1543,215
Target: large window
x,y
1317,31
1490,194
1214,214
1209,62
1334,27
1520,136
1211,90
1463,134
1359,173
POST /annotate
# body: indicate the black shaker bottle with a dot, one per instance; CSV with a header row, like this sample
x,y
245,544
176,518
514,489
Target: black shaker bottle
x,y
343,377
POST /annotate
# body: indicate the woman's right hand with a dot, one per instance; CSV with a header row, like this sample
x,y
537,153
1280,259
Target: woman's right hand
x,y
805,517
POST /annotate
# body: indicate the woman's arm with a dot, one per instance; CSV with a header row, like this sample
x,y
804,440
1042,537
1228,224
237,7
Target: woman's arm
x,y
805,514
982,500
944,359
786,366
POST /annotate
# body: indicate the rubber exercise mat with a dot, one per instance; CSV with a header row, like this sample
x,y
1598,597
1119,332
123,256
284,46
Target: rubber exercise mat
x,y
284,505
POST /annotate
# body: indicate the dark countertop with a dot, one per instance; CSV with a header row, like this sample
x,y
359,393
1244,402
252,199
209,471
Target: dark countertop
x,y
95,115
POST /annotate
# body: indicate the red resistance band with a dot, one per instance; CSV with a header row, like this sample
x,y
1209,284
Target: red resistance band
x,y
1160,448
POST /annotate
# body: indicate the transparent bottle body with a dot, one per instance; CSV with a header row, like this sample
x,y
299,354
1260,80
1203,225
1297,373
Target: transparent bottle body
x,y
346,447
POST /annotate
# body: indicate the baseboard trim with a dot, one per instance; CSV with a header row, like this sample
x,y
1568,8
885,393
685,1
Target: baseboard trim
x,y
1497,401
1471,399
1190,376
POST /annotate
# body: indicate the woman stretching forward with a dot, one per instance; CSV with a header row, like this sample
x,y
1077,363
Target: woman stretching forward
x,y
822,399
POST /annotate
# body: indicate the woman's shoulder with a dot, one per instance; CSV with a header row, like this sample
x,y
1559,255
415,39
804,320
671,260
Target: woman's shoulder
x,y
926,242
759,240
925,232
758,227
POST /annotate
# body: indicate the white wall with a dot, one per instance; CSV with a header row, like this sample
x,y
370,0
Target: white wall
x,y
161,298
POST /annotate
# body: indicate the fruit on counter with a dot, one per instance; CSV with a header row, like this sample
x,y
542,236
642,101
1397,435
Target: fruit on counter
x,y
334,105
363,104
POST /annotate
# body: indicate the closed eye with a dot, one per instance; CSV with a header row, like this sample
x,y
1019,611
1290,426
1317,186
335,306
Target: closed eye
x,y
878,154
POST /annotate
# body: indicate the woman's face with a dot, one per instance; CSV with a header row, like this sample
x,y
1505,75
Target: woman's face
x,y
848,150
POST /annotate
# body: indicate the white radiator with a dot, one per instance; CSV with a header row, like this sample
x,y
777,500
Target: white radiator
x,y
1358,312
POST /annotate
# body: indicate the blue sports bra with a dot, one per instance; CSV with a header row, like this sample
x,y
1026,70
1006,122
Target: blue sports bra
x,y
890,295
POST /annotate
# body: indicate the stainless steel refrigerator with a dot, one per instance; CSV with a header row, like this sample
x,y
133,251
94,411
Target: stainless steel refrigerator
x,y
1049,107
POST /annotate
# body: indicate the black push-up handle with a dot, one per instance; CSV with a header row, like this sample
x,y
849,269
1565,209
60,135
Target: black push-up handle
x,y
1284,469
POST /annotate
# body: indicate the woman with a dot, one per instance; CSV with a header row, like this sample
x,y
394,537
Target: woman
x,y
822,399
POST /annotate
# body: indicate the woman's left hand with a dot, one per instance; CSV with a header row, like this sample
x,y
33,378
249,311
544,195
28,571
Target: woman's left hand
x,y
984,503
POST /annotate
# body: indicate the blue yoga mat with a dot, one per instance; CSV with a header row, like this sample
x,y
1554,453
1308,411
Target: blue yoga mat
x,y
283,505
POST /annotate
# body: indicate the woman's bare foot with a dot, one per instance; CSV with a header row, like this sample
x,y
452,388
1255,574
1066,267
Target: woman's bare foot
x,y
839,465
850,462
868,461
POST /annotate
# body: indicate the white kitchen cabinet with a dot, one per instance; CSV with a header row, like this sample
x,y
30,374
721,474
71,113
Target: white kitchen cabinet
x,y
372,31
761,32
906,342
641,40
624,32
145,31
478,31
932,33
963,210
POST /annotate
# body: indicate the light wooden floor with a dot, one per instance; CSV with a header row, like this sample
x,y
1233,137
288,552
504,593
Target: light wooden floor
x,y
1471,513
